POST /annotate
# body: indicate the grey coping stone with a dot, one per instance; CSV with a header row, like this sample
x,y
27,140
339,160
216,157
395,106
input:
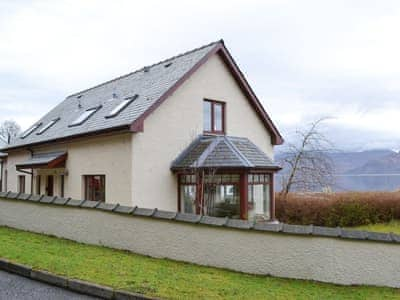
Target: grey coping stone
x,y
379,236
61,201
190,218
35,198
90,204
213,221
3,194
19,269
395,237
145,212
12,195
123,209
264,226
75,203
47,199
23,196
49,278
107,206
354,234
90,289
162,214
327,231
240,224
124,295
297,229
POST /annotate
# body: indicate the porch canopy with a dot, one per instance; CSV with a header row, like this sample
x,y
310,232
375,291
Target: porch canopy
x,y
225,176
44,161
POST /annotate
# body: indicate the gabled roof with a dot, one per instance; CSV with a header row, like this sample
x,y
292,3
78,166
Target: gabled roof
x,y
222,152
149,87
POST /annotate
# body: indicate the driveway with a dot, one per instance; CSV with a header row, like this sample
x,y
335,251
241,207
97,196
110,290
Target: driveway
x,y
14,287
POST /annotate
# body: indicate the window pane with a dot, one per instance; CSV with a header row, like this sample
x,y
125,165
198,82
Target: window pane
x,y
188,198
222,200
258,201
207,116
95,188
217,117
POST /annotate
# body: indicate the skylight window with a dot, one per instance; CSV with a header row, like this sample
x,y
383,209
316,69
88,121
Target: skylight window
x,y
30,130
84,116
120,107
48,125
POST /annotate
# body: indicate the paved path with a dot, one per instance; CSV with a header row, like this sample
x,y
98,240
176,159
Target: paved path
x,y
14,287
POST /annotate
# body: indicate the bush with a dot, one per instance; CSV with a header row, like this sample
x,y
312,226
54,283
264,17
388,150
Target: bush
x,y
338,209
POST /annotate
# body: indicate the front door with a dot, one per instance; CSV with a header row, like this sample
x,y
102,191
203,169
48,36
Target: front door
x,y
50,185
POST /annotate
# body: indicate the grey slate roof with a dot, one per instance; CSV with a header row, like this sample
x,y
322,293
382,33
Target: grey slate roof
x,y
41,159
222,152
149,83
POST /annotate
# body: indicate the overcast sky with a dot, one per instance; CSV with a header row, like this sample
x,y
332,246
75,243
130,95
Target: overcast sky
x,y
304,59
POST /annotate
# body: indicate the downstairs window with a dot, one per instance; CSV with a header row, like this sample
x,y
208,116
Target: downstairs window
x,y
95,187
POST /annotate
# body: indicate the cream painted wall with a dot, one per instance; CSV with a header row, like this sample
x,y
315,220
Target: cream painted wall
x,y
12,174
178,121
107,155
341,261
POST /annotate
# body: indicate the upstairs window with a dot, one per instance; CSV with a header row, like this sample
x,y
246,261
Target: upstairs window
x,y
30,130
84,116
213,117
120,107
48,125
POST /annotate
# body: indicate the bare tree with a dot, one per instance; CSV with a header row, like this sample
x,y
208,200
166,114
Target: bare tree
x,y
309,167
9,129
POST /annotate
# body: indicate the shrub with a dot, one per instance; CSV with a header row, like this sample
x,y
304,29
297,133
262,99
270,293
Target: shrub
x,y
338,209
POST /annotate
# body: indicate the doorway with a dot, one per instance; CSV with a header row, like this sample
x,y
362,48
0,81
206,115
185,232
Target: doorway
x,y
50,185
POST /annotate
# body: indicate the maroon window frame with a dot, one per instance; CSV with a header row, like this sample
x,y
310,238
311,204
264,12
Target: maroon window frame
x,y
213,104
95,187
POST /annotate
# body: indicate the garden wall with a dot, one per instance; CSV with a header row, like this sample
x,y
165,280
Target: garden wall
x,y
305,252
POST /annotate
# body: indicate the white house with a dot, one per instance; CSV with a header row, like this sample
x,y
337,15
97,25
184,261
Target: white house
x,y
186,134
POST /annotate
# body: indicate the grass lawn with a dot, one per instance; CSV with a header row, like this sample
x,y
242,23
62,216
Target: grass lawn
x,y
393,226
164,278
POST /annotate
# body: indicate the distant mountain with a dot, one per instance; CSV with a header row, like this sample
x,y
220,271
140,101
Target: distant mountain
x,y
388,164
346,164
349,162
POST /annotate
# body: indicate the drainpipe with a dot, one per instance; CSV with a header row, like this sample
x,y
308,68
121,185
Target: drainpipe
x,y
1,174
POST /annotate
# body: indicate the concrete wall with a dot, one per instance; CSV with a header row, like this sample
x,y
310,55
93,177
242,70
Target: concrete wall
x,y
106,155
341,261
178,121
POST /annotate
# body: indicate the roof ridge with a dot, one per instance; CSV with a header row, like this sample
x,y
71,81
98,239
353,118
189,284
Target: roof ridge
x,y
149,66
238,153
202,158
